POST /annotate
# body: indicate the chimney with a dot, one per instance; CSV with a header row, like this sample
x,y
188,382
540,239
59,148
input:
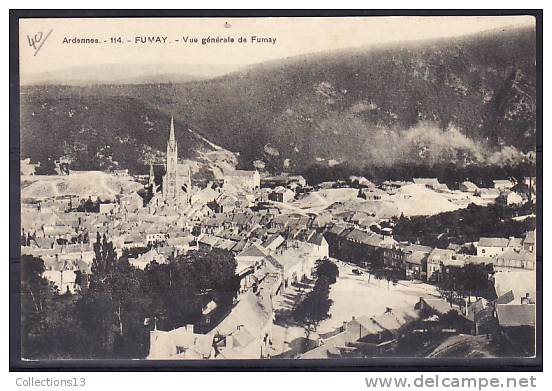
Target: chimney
x,y
526,299
190,328
344,326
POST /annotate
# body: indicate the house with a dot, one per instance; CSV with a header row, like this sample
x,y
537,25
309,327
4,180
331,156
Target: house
x,y
320,245
502,184
515,315
491,247
373,194
474,259
249,180
248,261
134,240
414,261
515,243
435,260
468,187
512,259
180,343
155,237
529,241
246,332
288,181
281,194
360,181
273,242
508,198
358,246
180,243
517,324
488,194
146,258
131,202
393,255
521,283
296,263
207,241
432,183
366,333
437,306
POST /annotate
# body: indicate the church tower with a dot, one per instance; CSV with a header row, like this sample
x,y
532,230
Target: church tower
x,y
170,188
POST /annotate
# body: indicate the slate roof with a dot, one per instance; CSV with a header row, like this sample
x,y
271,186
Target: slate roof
x,y
439,306
416,257
493,242
253,251
317,239
529,238
336,229
512,255
513,315
506,298
440,255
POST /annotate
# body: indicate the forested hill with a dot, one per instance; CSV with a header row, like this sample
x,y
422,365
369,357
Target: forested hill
x,y
458,100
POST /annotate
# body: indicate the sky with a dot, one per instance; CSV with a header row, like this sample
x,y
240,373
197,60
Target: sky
x,y
42,48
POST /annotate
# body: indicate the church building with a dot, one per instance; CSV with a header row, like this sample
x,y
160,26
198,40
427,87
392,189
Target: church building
x,y
177,181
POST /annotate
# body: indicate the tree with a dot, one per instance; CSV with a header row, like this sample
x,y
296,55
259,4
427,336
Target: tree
x,y
475,279
115,305
35,289
49,327
180,288
314,308
326,268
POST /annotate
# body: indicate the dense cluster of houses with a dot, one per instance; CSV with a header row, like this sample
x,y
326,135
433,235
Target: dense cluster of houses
x,y
274,247
413,261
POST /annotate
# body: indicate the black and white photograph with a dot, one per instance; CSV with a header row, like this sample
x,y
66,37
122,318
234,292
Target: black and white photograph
x,y
278,188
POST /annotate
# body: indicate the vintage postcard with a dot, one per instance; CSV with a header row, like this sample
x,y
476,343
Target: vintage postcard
x,y
278,188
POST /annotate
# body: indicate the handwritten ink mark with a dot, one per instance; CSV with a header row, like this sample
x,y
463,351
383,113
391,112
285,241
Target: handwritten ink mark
x,y
38,39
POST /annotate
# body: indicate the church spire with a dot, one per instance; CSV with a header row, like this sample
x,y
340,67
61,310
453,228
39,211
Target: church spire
x,y
171,133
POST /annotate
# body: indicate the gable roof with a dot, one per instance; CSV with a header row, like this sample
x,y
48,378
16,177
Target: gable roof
x,y
514,315
529,238
317,239
512,255
253,251
440,255
273,241
439,306
506,298
493,242
469,185
416,257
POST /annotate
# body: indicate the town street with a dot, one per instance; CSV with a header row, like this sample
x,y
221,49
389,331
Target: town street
x,y
361,295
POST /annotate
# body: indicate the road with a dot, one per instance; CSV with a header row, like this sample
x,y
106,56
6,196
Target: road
x,y
364,295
